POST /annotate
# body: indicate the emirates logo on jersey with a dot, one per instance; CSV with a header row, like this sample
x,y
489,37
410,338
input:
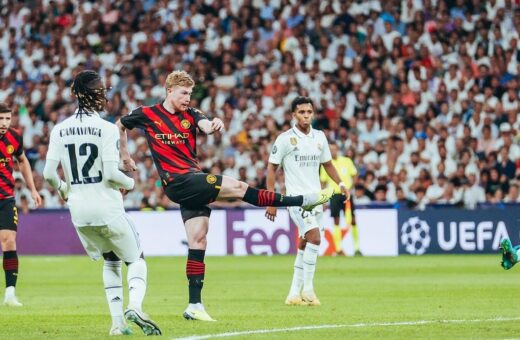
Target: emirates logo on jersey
x,y
185,124
10,149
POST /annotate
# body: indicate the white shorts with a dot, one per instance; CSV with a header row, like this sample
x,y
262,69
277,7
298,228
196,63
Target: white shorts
x,y
306,220
118,236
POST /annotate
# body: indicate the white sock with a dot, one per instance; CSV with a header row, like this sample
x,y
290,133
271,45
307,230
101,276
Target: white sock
x,y
196,306
113,282
310,256
9,292
297,280
136,277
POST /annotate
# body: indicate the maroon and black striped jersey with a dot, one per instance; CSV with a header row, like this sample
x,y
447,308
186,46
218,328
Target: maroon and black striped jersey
x,y
11,145
171,137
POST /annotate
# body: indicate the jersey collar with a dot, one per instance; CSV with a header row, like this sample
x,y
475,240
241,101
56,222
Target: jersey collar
x,y
300,134
91,113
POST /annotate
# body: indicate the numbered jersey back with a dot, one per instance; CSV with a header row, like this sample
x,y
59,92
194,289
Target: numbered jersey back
x,y
82,146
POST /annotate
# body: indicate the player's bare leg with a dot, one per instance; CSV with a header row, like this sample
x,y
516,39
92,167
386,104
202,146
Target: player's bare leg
x,y
10,265
196,231
235,189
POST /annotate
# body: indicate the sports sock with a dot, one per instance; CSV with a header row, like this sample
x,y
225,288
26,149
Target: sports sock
x,y
310,256
113,282
266,198
297,281
136,277
195,270
10,267
336,236
355,237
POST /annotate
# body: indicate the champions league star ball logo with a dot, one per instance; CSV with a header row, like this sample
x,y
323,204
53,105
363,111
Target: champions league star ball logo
x,y
415,236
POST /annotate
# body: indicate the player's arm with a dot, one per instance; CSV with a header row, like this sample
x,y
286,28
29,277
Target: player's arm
x,y
50,173
25,169
128,163
116,177
270,212
209,126
110,150
323,177
205,124
333,174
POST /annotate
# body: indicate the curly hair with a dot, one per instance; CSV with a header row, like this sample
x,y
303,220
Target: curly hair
x,y
90,92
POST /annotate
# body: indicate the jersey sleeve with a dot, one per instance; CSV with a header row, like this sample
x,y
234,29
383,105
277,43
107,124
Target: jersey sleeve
x,y
278,151
110,147
53,153
325,153
197,115
135,119
19,151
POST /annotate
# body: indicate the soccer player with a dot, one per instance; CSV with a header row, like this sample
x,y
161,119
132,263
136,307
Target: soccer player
x,y
87,148
300,151
11,145
510,254
347,172
171,128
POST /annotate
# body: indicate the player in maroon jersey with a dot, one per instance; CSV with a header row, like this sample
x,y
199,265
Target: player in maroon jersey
x,y
11,145
171,129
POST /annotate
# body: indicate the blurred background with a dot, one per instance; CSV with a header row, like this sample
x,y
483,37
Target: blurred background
x,y
421,95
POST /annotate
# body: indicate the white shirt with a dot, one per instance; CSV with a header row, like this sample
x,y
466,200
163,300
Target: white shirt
x,y
81,146
300,156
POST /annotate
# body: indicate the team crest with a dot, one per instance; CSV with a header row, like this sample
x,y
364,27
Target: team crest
x,y
211,179
294,141
10,149
185,124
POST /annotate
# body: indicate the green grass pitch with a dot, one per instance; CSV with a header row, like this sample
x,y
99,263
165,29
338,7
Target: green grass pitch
x,y
429,297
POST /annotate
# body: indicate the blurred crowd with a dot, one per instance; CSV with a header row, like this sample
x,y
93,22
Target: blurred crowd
x,y
421,94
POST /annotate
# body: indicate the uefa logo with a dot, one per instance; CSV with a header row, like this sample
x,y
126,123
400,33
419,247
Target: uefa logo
x,y
415,236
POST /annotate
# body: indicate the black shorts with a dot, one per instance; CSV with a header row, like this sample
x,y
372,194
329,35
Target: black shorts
x,y
8,214
337,204
193,192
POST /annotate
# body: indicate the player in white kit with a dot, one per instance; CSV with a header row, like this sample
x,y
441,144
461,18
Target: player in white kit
x,y
88,149
300,151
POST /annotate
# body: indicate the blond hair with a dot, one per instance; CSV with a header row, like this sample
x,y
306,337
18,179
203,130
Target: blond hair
x,y
179,78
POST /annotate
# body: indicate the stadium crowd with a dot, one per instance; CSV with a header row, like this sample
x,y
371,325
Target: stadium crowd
x,y
422,95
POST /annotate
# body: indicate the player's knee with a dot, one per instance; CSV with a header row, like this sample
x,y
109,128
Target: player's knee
x,y
199,243
8,242
313,237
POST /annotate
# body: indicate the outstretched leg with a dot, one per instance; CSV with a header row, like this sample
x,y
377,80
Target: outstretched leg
x,y
234,189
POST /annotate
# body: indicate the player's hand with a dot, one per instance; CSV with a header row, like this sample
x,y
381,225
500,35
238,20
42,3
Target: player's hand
x,y
217,124
344,191
123,191
127,164
270,213
36,198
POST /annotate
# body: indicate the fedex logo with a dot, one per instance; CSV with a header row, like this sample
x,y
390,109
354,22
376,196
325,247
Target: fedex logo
x,y
250,233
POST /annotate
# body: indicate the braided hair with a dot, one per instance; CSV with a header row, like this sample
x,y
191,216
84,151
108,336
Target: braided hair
x,y
90,92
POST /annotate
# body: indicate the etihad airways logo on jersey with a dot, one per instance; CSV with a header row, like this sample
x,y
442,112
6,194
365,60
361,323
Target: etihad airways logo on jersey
x,y
172,138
